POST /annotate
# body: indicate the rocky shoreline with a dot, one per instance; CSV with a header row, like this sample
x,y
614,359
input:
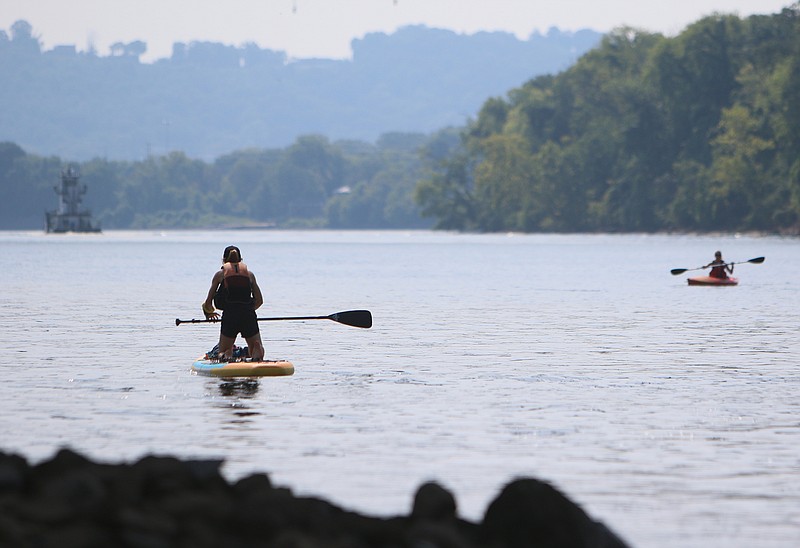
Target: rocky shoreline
x,y
71,502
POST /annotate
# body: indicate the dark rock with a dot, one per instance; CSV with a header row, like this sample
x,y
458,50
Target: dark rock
x,y
70,501
159,475
433,502
13,473
434,521
253,484
64,461
529,512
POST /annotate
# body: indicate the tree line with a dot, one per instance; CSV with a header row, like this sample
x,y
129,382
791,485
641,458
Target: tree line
x,y
643,133
312,183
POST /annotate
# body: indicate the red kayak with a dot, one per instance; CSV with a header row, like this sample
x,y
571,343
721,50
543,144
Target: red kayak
x,y
708,280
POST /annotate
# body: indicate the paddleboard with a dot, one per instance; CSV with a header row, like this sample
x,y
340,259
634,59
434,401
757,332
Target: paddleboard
x,y
243,368
708,280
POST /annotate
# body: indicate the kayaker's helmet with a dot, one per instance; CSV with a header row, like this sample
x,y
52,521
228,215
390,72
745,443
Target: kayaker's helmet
x,y
718,254
226,255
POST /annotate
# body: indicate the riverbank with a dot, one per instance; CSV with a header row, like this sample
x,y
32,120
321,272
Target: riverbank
x,y
70,501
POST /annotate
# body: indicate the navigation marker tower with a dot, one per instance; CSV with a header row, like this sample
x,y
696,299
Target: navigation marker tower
x,y
69,217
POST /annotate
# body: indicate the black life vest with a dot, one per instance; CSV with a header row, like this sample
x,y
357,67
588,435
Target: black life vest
x,y
235,287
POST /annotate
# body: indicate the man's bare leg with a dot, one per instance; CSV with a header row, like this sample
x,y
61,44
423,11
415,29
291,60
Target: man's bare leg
x,y
226,347
255,347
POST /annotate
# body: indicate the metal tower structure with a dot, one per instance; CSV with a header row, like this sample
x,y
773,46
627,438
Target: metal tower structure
x,y
69,217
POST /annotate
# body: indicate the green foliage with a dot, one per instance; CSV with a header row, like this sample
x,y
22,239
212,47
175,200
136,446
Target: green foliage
x,y
643,133
447,193
312,183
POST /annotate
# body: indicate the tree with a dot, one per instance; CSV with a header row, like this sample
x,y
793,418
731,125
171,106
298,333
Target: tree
x,y
502,179
447,195
133,50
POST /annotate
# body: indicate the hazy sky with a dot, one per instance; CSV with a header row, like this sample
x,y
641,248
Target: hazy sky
x,y
324,28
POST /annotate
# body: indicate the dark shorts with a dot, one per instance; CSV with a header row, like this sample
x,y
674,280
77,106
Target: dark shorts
x,y
239,319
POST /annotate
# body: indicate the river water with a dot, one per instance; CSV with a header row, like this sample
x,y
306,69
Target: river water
x,y
669,412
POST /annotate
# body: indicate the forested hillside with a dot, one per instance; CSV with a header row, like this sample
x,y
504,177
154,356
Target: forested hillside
x,y
644,133
210,99
696,132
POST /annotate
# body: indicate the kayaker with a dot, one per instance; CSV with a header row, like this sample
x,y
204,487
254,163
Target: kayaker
x,y
719,268
237,284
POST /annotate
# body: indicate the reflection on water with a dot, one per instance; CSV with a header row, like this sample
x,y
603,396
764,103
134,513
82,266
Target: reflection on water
x,y
235,395
246,388
668,412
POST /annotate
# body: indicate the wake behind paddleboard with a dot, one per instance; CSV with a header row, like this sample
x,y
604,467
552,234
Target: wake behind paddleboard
x,y
244,368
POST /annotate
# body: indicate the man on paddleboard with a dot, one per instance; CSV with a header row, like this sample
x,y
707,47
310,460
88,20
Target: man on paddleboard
x,y
719,267
236,286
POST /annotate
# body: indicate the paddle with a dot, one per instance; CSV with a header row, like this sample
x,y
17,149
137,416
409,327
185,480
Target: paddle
x,y
355,318
676,271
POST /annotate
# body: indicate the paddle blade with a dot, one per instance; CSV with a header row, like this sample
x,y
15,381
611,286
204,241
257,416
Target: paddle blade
x,y
676,271
355,318
757,260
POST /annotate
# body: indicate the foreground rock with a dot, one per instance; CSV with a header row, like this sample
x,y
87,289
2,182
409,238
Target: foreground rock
x,y
156,502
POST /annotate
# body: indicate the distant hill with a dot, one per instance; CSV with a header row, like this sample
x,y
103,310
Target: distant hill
x,y
644,133
209,99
